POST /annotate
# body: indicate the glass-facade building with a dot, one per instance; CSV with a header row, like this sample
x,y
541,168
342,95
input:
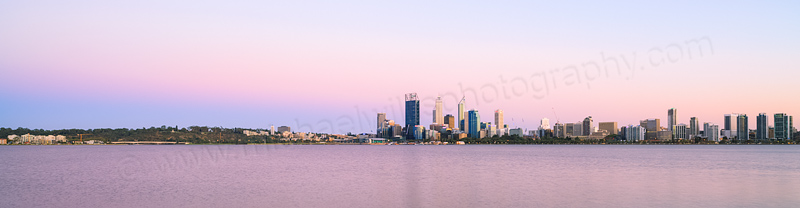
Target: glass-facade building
x,y
412,114
783,126
474,124
761,127
742,133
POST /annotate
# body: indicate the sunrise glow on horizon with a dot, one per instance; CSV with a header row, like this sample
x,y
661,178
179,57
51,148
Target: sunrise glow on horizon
x,y
84,64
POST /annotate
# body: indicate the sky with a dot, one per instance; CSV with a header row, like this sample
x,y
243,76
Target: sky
x,y
323,66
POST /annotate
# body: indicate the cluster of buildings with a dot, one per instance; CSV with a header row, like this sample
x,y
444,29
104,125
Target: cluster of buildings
x,y
34,139
469,124
466,123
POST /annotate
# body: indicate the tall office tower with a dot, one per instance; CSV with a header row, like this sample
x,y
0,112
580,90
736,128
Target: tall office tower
x,y
461,115
742,128
783,126
679,132
545,124
587,126
558,130
272,129
437,111
711,132
730,123
412,114
672,118
761,127
450,121
610,127
474,124
381,127
694,126
652,125
568,129
498,118
577,129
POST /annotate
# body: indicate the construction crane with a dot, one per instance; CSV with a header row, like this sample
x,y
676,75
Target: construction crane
x,y
554,114
81,136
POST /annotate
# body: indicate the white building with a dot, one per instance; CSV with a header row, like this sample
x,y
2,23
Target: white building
x,y
635,133
680,132
61,138
498,118
711,132
438,118
544,124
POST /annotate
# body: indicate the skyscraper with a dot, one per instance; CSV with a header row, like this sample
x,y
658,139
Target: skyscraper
x,y
587,126
711,132
569,129
730,124
545,124
498,118
461,115
577,129
672,118
783,126
412,114
474,124
679,132
558,130
610,127
652,125
694,127
381,127
634,133
742,132
437,111
761,127
450,121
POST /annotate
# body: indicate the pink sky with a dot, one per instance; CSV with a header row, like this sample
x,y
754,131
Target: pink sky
x,y
254,64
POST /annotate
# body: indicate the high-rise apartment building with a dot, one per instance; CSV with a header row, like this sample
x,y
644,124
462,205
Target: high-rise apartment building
x,y
672,118
762,128
588,123
679,132
783,126
711,132
694,127
634,133
742,133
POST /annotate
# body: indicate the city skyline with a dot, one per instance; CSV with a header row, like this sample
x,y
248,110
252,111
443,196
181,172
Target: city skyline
x,y
118,65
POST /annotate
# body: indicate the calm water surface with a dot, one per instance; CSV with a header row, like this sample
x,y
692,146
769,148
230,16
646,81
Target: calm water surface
x,y
400,176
